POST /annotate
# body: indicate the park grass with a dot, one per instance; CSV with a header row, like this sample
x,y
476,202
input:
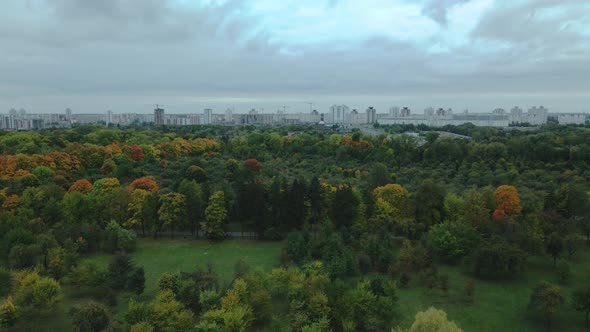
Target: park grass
x,y
174,255
499,305
160,256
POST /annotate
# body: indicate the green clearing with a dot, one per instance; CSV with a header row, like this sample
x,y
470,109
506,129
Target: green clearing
x,y
166,255
498,305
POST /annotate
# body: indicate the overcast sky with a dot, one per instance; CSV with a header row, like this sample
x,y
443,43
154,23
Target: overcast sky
x,y
128,55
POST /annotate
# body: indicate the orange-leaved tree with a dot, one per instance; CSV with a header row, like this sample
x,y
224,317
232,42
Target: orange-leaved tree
x,y
146,183
507,202
83,186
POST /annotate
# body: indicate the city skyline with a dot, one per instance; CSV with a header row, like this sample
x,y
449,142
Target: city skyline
x,y
128,55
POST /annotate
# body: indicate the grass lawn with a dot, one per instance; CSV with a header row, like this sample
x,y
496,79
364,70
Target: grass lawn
x,y
499,305
173,255
168,255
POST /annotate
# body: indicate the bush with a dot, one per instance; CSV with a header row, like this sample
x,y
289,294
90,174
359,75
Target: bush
x,y
241,268
169,281
24,256
8,313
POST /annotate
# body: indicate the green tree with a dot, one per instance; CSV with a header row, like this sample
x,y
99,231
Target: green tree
x,y
452,240
138,206
344,207
498,259
172,211
215,217
429,204
555,246
476,208
118,271
142,327
194,203
546,300
90,317
379,175
136,281
36,292
169,314
581,302
433,320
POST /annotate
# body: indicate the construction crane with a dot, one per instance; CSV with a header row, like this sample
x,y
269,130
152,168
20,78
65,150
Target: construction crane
x,y
284,107
310,105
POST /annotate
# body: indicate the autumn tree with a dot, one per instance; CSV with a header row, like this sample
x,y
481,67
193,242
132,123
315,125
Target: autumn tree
x,y
83,186
396,197
507,202
215,216
136,153
252,164
145,183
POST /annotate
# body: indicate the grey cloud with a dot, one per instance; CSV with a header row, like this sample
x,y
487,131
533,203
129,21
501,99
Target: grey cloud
x,y
437,9
140,52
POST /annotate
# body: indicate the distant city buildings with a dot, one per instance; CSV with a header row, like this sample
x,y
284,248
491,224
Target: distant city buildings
x,y
208,116
371,115
159,116
535,116
339,115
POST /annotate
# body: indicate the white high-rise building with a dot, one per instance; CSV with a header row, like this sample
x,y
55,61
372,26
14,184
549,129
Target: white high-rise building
x,y
109,117
371,115
338,113
229,116
208,116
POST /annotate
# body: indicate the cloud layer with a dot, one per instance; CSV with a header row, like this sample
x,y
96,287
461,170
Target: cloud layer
x,y
127,55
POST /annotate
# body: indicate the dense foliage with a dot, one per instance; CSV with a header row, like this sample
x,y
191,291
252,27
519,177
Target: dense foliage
x,y
360,216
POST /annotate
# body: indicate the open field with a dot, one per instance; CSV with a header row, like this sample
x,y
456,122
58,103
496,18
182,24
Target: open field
x,y
498,305
168,255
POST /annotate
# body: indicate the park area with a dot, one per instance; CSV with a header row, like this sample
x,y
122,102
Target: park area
x,y
495,305
168,255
